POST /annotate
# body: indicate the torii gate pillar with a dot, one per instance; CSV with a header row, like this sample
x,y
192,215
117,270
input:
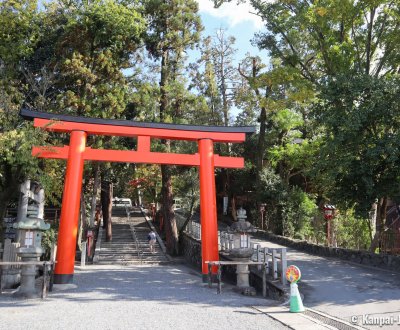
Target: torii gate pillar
x,y
69,218
208,207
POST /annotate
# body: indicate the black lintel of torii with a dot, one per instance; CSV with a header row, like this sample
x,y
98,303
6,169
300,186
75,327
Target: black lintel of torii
x,y
29,114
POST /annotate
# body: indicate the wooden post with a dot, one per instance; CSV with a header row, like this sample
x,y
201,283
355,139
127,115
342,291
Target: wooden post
x,y
259,256
209,276
45,270
274,264
219,279
83,254
283,266
264,280
265,252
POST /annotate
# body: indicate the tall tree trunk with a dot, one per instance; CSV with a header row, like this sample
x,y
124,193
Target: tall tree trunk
x,y
106,206
168,213
82,220
261,145
380,223
262,119
94,196
190,214
171,230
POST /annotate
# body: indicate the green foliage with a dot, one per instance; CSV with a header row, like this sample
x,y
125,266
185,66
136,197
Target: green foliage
x,y
187,187
290,210
18,29
330,37
360,154
298,210
351,232
48,239
173,26
91,65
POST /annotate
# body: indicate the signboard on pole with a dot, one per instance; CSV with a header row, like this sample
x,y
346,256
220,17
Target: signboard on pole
x,y
225,205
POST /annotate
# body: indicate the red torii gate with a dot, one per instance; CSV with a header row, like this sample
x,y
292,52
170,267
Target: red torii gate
x,y
77,152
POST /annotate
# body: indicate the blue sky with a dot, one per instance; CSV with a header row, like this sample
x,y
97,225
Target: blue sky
x,y
237,20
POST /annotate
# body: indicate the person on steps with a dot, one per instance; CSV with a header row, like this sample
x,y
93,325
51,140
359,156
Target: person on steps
x,y
151,237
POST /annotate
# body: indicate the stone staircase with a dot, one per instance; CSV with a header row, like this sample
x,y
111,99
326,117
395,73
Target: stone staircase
x,y
129,243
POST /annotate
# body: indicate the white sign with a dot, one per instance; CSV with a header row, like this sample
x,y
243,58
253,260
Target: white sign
x,y
29,238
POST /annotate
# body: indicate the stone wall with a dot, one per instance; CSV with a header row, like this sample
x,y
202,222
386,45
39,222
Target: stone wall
x,y
386,261
191,250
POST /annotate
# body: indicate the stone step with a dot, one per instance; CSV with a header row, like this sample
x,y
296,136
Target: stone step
x,y
127,258
123,248
116,251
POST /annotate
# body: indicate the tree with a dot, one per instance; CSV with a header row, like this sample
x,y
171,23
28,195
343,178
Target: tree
x,y
174,26
226,74
19,34
204,82
68,57
360,155
329,41
331,37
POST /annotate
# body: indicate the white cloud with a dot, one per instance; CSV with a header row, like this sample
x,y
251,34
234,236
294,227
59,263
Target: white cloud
x,y
232,12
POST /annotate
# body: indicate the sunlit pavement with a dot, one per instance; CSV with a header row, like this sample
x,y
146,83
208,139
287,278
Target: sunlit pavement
x,y
346,290
137,297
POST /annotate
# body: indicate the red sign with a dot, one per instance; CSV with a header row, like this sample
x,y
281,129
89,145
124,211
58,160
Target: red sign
x,y
293,274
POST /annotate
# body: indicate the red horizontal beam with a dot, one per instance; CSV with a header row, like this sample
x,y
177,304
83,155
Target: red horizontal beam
x,y
228,162
50,152
98,129
126,156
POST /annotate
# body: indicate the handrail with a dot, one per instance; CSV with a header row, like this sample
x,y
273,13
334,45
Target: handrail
x,y
220,263
133,231
261,255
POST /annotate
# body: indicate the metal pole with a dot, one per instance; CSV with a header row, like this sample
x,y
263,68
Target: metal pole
x,y
208,207
64,270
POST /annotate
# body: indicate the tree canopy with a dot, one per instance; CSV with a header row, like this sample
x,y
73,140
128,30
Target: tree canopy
x,y
325,101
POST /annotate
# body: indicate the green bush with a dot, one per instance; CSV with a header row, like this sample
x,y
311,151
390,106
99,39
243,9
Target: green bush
x,y
49,237
351,232
298,210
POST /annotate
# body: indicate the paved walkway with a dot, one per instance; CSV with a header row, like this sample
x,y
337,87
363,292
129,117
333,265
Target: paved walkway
x,y
346,290
137,297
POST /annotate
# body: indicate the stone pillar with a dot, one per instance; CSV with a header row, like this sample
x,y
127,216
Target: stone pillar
x,y
242,272
28,272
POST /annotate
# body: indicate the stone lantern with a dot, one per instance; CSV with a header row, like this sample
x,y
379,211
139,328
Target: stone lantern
x,y
242,251
30,230
30,251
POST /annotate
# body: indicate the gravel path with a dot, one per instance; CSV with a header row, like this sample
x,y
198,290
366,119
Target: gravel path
x,y
137,297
